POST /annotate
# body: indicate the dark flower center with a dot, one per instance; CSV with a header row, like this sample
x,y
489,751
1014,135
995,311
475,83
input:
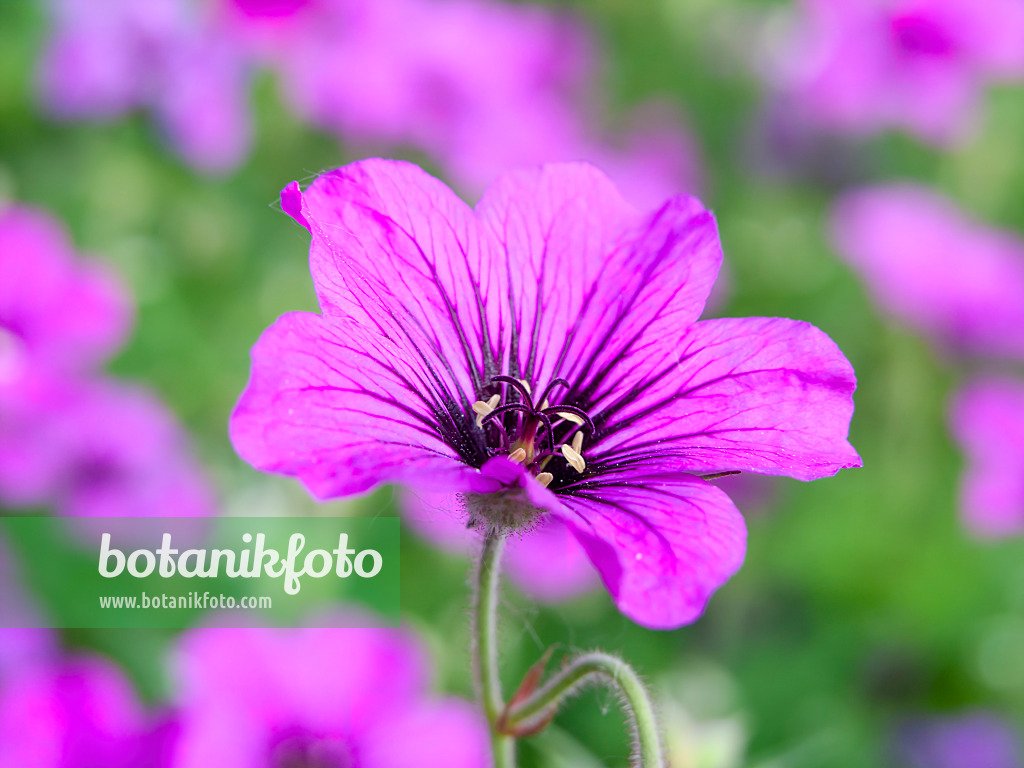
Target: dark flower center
x,y
547,439
916,34
98,471
270,8
301,750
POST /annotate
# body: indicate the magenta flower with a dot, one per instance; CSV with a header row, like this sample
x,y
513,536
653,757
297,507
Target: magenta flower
x,y
59,712
259,698
931,266
110,57
77,714
69,437
460,79
974,740
57,311
102,56
480,86
125,454
201,97
987,419
549,565
59,318
541,355
861,66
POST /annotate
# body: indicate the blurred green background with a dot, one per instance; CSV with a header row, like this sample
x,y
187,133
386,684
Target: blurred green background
x,y
862,599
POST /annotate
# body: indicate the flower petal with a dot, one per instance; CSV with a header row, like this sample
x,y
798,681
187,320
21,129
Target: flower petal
x,y
930,265
69,313
765,395
987,419
337,408
661,544
396,251
592,280
446,734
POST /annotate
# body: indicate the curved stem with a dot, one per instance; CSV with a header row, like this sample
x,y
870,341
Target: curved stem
x,y
613,670
485,657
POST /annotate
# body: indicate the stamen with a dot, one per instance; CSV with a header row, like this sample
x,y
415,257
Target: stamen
x,y
570,416
574,458
561,409
526,386
577,443
518,456
545,478
482,409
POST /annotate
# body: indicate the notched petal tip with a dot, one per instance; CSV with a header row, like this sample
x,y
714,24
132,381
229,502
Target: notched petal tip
x,y
292,203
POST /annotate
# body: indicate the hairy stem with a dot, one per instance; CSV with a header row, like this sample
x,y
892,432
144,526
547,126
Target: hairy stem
x,y
612,670
485,658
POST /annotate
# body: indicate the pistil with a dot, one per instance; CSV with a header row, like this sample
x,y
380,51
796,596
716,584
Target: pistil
x,y
522,439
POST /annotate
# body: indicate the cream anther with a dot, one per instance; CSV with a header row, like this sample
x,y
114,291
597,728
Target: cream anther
x,y
574,458
570,417
482,409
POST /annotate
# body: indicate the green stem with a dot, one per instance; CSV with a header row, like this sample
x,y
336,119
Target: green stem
x,y
638,706
485,659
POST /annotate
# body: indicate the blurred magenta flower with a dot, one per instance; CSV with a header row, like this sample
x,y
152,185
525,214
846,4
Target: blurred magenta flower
x,y
477,86
58,312
974,740
541,355
261,698
448,77
68,436
861,66
110,57
549,564
79,713
102,57
201,98
987,419
927,263
125,454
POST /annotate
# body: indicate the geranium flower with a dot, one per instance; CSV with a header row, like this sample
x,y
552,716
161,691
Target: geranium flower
x,y
60,318
927,263
472,83
77,713
57,311
105,58
541,355
102,56
261,698
861,66
987,419
69,436
478,86
60,711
